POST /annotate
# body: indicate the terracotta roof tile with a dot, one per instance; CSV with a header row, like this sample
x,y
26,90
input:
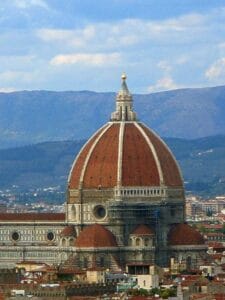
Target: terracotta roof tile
x,y
200,296
168,164
80,160
96,236
184,234
68,231
215,245
32,217
101,169
139,167
219,296
142,230
216,255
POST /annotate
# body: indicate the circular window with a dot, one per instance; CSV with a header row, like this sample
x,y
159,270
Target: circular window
x,y
15,236
50,236
99,211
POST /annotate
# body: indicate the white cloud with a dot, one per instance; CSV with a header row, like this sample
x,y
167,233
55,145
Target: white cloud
x,y
131,44
96,59
24,4
54,34
216,70
151,30
165,83
77,38
128,32
167,66
7,89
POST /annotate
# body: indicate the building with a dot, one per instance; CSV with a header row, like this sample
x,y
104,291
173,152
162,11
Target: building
x,y
125,206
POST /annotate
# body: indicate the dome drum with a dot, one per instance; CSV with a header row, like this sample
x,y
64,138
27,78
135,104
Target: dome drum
x,y
146,192
130,194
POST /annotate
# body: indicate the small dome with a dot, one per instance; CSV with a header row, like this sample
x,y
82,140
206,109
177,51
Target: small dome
x,y
142,230
95,236
184,234
68,231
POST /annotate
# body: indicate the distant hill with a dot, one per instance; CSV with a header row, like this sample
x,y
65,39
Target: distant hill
x,y
48,164
202,162
37,116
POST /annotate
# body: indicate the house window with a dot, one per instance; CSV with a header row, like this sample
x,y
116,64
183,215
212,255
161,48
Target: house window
x,y
102,261
71,242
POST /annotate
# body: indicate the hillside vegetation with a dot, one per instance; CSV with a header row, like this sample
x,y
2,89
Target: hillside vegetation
x,y
37,116
48,164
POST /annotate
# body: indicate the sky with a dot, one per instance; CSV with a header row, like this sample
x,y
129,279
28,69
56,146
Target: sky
x,y
87,44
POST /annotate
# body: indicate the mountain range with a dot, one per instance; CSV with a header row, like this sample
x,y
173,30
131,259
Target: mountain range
x,y
47,164
29,117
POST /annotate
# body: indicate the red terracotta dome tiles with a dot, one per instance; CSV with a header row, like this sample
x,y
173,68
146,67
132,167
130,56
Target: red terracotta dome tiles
x,y
68,231
184,234
170,170
79,164
101,170
139,164
95,236
138,167
143,230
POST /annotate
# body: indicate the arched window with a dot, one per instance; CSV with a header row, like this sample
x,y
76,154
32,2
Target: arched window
x,y
71,242
73,212
138,242
189,262
146,242
85,262
64,242
102,261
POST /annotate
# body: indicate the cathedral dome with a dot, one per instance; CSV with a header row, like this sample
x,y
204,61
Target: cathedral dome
x,y
95,236
184,234
124,153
